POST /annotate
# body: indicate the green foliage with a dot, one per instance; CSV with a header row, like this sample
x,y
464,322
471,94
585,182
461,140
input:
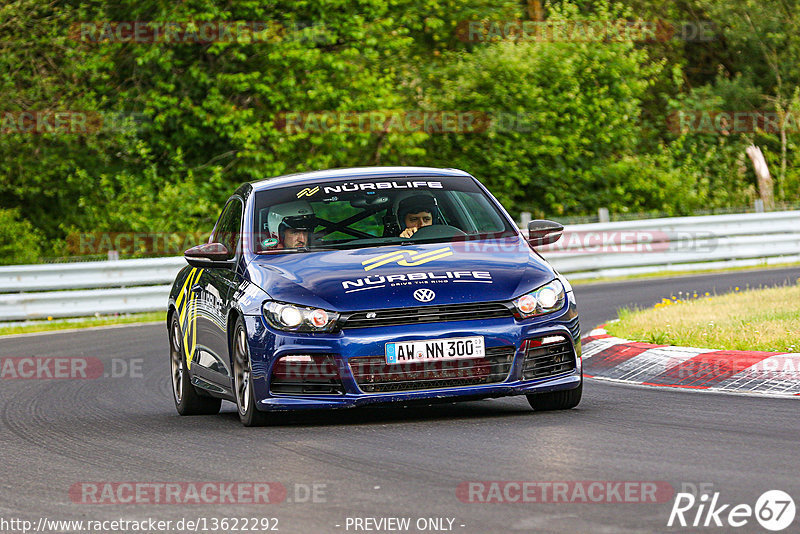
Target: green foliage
x,y
581,103
642,183
578,125
19,240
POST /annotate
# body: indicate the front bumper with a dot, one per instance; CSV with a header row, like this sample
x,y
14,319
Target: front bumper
x,y
268,345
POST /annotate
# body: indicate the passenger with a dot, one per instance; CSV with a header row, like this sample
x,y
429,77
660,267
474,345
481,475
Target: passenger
x,y
415,212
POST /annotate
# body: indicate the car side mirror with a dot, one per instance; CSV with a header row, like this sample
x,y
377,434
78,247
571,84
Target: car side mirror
x,y
208,255
543,232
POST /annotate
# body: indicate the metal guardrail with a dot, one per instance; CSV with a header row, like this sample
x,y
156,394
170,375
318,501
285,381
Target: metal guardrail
x,y
82,303
95,274
676,244
585,251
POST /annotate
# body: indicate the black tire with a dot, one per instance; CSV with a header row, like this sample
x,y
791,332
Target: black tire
x,y
556,400
249,415
188,401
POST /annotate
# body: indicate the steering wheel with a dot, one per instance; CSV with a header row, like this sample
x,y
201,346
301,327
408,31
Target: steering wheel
x,y
437,230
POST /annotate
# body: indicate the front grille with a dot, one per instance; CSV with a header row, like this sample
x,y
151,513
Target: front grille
x,y
427,314
306,375
374,375
547,356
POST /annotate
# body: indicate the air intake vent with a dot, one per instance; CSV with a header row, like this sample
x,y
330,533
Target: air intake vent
x,y
548,356
304,374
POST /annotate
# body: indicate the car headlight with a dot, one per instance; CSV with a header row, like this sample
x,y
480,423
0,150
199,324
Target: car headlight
x,y
546,299
299,318
565,282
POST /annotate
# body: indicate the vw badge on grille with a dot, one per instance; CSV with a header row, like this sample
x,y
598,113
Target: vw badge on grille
x,y
424,295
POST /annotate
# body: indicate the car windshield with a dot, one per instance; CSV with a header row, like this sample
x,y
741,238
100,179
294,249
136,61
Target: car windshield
x,y
359,213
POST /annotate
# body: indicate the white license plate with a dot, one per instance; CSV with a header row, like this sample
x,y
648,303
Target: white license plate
x,y
453,348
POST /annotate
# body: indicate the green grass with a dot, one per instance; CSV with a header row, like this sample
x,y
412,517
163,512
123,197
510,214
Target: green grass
x,y
758,319
83,322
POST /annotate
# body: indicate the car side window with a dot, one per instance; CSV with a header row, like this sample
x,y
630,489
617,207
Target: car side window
x,y
229,227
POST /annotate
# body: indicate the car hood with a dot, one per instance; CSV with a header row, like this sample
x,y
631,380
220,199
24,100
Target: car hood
x,y
387,277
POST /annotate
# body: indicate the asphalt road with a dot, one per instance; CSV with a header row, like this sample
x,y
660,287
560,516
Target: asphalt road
x,y
388,462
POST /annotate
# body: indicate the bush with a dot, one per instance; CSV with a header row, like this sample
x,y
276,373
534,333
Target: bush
x,y
581,108
19,240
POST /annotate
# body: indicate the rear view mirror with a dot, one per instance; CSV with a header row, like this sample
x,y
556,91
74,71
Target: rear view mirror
x,y
371,201
543,232
208,255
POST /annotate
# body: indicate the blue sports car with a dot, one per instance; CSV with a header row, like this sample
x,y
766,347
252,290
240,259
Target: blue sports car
x,y
348,287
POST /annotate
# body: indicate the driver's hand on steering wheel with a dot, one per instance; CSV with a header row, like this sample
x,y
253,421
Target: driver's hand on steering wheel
x,y
408,232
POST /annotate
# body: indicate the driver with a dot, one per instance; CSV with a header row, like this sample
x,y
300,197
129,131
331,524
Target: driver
x,y
415,212
290,225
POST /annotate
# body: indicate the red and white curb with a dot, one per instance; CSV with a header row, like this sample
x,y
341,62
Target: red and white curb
x,y
613,358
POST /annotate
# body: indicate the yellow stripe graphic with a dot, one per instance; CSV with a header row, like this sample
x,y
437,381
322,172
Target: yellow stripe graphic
x,y
406,263
419,259
378,258
414,258
191,321
194,334
307,192
190,282
387,258
183,293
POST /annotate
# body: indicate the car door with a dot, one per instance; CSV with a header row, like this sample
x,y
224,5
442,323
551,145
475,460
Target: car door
x,y
211,290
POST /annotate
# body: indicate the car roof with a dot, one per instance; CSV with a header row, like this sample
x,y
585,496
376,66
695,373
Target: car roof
x,y
356,172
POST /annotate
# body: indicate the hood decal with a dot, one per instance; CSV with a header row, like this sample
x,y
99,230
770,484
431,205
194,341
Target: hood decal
x,y
414,258
386,277
408,279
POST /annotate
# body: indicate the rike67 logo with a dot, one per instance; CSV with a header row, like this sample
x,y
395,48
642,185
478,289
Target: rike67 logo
x,y
774,510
